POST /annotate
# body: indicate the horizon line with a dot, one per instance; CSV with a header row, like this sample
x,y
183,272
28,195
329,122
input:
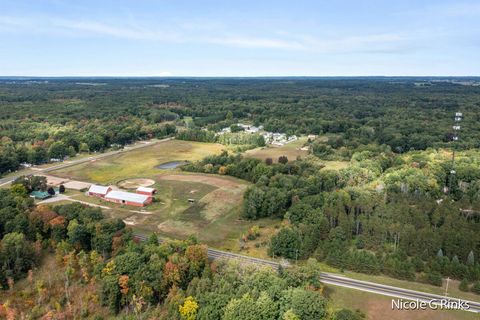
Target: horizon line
x,y
227,76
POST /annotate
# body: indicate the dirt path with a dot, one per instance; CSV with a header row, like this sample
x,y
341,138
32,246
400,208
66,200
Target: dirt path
x,y
61,197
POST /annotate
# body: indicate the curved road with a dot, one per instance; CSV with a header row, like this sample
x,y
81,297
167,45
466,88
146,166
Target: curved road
x,y
339,280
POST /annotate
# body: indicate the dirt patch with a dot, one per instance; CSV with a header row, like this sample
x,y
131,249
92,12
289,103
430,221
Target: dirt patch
x,y
54,181
69,184
77,185
135,183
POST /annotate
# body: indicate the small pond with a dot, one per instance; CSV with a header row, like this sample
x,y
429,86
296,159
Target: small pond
x,y
171,164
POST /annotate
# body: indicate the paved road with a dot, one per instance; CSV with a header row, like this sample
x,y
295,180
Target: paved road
x,y
437,300
339,280
67,164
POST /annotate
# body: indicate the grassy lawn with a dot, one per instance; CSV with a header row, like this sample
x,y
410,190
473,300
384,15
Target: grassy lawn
x,y
207,206
335,165
291,150
138,163
379,307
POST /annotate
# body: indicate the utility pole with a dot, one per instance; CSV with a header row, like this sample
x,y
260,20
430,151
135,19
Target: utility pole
x,y
446,286
456,130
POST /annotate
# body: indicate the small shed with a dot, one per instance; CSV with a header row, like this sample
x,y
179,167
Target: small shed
x,y
146,191
40,195
98,191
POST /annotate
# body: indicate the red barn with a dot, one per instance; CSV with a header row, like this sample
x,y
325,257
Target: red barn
x,y
128,198
146,191
98,191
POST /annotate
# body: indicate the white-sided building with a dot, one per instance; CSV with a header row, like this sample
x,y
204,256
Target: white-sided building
x,y
128,198
98,191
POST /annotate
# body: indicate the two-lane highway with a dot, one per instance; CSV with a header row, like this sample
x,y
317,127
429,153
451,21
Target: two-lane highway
x,y
339,280
396,292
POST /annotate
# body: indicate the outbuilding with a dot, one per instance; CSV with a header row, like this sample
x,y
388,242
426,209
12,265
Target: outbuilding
x,y
98,191
40,195
146,191
128,198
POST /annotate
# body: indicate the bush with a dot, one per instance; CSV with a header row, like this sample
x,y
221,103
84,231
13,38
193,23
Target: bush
x,y
463,286
346,314
476,287
433,278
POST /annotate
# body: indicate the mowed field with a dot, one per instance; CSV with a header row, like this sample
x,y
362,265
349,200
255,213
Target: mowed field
x,y
207,206
291,150
139,163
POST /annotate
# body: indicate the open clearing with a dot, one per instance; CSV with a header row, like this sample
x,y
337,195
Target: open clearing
x,y
207,206
138,163
291,150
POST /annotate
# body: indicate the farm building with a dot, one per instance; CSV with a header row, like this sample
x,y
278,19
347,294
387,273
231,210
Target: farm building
x,y
146,191
98,191
40,195
128,198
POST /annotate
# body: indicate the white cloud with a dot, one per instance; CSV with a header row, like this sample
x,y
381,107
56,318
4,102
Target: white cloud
x,y
179,33
457,9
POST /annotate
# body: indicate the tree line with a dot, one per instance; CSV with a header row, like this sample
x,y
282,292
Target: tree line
x,y
384,213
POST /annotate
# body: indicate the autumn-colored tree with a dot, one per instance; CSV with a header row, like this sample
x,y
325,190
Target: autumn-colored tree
x,y
188,310
45,213
171,273
109,268
174,300
83,262
197,257
123,283
222,170
57,221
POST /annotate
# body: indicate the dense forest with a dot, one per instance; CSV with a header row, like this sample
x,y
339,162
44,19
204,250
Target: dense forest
x,y
395,209
43,119
385,213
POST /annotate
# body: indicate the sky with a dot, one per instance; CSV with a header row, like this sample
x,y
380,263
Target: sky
x,y
239,38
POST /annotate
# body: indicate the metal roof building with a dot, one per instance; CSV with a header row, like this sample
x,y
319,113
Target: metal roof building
x,y
99,191
40,195
146,191
133,199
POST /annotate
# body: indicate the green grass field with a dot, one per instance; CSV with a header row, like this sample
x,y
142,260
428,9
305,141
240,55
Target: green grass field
x,y
212,214
188,204
291,150
138,163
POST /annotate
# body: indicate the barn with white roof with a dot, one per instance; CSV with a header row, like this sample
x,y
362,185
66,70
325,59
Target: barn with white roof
x,y
146,191
98,191
128,198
